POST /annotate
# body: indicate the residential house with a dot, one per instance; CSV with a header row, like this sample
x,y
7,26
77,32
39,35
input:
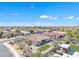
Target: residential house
x,y
38,39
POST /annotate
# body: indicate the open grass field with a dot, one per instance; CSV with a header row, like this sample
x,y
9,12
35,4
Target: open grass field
x,y
74,47
44,47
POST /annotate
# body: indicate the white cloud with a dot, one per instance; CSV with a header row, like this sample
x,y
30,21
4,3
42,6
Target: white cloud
x,y
51,18
15,14
44,16
48,17
71,17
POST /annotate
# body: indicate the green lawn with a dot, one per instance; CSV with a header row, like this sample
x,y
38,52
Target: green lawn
x,y
44,47
74,47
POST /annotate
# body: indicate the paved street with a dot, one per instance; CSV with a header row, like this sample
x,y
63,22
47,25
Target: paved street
x,y
4,52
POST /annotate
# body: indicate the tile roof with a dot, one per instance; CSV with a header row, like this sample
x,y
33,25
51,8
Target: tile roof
x,y
37,37
57,33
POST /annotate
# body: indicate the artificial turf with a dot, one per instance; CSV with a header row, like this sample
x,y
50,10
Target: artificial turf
x,y
44,47
74,47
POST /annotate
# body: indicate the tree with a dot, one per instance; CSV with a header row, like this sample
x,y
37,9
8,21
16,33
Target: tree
x,y
32,31
12,35
1,33
29,42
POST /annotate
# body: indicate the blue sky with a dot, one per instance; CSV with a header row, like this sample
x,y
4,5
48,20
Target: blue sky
x,y
39,14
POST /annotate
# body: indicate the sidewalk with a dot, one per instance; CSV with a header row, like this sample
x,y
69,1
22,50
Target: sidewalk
x,y
11,49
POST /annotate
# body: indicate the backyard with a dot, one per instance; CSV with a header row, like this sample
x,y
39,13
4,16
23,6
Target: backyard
x,y
44,47
74,47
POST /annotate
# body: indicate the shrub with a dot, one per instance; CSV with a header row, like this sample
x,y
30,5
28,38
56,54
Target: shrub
x,y
11,43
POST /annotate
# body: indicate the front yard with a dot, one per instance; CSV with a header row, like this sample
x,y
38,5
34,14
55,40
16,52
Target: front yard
x,y
44,47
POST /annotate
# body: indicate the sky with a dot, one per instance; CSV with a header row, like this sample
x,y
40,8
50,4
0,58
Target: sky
x,y
39,13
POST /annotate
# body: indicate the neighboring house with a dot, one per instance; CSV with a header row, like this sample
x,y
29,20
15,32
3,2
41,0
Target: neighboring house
x,y
66,48
25,33
16,32
39,32
8,34
69,52
55,34
76,54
